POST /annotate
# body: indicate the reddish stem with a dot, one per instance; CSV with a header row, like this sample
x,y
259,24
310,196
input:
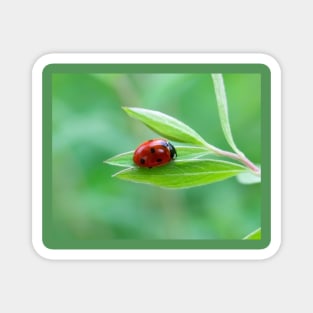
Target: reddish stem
x,y
239,157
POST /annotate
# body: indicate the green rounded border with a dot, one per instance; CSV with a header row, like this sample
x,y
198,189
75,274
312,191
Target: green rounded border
x,y
50,236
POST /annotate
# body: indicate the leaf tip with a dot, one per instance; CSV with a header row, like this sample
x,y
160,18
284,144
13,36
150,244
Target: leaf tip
x,y
126,108
122,171
107,161
255,235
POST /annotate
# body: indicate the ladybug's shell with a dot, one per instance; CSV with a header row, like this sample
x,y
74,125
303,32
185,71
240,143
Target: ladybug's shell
x,y
155,152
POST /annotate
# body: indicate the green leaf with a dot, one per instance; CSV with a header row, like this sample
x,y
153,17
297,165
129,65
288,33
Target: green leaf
x,y
188,152
123,159
183,174
166,126
183,152
255,235
223,109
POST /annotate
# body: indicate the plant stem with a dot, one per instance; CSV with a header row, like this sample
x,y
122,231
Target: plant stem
x,y
238,157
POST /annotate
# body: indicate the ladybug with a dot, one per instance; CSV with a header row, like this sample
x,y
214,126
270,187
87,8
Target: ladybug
x,y
154,152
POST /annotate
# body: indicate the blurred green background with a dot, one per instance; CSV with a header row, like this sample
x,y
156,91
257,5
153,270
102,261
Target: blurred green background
x,y
89,126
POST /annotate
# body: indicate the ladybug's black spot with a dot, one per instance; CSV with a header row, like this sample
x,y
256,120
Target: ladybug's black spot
x,y
159,160
142,161
152,150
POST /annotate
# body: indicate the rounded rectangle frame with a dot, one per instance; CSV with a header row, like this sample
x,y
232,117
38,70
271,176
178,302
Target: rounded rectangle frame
x,y
48,63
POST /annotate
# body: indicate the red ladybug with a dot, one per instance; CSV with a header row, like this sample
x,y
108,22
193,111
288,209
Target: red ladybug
x,y
154,152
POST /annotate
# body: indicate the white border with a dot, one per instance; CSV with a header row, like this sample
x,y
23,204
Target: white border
x,y
210,254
